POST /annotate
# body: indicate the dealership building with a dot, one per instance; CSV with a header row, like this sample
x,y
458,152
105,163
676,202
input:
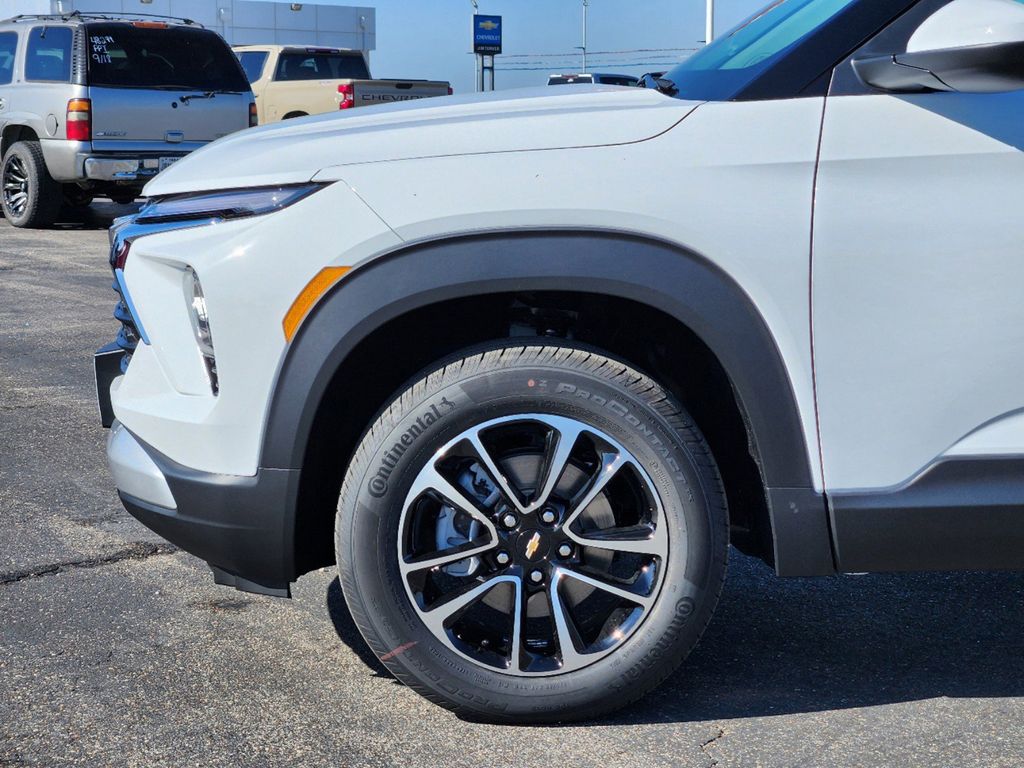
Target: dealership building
x,y
239,21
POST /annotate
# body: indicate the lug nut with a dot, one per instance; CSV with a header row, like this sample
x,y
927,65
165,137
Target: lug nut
x,y
503,558
548,516
509,520
536,577
564,550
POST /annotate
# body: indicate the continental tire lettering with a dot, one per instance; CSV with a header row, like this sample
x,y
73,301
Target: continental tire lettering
x,y
663,450
683,611
378,484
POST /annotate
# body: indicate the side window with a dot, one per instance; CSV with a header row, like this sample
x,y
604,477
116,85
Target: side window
x,y
253,62
48,57
8,44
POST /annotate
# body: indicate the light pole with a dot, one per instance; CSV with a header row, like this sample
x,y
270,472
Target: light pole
x,y
709,24
586,5
478,74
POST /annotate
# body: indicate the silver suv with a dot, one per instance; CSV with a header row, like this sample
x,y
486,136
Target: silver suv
x,y
97,104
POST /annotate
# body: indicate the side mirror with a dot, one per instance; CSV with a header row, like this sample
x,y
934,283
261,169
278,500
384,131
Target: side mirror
x,y
970,46
973,69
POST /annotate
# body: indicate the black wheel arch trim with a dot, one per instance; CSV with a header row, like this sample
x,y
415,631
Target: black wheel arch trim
x,y
665,276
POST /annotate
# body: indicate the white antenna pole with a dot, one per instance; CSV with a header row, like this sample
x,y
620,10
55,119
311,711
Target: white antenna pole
x,y
709,28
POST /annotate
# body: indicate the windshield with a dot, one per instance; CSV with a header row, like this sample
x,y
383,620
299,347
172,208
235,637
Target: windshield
x,y
129,56
720,70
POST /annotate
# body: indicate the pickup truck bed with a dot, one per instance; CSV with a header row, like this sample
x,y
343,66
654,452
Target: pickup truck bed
x,y
294,81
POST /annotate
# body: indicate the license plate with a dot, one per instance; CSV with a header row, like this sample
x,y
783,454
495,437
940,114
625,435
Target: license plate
x,y
166,161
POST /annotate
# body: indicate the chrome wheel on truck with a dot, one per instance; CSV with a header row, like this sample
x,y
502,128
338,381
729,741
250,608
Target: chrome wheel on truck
x,y
28,194
16,189
532,534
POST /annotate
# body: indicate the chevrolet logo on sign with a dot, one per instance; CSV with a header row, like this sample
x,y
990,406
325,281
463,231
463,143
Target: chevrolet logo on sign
x,y
487,35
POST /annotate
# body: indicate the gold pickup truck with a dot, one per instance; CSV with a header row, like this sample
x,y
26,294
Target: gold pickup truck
x,y
295,81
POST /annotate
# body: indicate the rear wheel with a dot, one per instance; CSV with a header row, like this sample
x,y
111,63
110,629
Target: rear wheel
x,y
76,197
126,197
28,194
532,534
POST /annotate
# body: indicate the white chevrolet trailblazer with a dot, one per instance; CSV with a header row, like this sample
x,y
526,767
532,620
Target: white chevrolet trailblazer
x,y
525,364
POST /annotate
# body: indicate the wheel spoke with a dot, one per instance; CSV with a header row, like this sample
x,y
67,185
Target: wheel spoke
x,y
496,474
609,468
566,433
571,658
655,544
519,608
644,601
449,557
432,480
436,617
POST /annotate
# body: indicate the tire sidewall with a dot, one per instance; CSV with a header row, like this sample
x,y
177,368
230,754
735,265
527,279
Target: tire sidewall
x,y
38,209
371,510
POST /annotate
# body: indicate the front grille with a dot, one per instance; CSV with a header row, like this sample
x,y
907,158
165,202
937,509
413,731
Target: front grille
x,y
128,336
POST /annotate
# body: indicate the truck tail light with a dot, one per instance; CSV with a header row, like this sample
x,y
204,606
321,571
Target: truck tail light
x,y
253,116
79,120
451,91
346,96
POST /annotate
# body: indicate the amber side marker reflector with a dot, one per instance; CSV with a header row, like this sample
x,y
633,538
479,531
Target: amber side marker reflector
x,y
309,296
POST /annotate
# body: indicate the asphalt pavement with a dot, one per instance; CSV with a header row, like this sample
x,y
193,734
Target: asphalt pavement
x,y
118,650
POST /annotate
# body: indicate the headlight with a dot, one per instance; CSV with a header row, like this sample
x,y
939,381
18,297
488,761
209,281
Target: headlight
x,y
229,204
201,325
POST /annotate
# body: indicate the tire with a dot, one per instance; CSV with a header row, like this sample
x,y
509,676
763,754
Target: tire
x,y
124,198
28,194
293,115
76,197
396,511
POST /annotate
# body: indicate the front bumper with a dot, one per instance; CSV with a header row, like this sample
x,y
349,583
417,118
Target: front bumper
x,y
234,523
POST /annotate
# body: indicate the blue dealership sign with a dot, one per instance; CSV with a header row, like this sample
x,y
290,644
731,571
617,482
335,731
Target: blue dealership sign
x,y
486,34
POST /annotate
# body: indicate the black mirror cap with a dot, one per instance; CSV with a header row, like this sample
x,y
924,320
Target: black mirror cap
x,y
990,68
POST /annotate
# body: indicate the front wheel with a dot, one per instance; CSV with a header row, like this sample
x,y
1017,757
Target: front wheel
x,y
532,534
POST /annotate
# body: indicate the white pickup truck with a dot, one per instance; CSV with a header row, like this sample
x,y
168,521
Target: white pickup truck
x,y
295,81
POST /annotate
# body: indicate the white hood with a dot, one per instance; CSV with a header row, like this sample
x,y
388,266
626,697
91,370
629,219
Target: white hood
x,y
528,119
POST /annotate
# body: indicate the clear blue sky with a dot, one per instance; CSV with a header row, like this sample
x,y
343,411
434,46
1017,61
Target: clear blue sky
x,y
430,38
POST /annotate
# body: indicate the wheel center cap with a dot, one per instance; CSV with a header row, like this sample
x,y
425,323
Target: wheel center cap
x,y
532,546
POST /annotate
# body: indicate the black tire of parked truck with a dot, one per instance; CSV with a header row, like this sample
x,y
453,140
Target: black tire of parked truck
x,y
125,197
532,534
29,196
76,197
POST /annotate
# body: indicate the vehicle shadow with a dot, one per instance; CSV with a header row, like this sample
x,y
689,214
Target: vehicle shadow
x,y
99,215
785,646
348,632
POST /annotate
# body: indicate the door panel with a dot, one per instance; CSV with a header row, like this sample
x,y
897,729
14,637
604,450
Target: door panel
x,y
918,269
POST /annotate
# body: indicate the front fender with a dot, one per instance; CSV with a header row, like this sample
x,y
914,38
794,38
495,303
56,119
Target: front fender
x,y
678,282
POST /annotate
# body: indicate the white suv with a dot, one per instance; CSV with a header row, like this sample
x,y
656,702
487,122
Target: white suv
x,y
525,364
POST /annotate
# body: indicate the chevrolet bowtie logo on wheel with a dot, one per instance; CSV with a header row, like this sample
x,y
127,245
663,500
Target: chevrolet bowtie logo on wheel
x,y
532,544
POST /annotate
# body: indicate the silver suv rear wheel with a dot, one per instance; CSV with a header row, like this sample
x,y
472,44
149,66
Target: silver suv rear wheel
x,y
28,194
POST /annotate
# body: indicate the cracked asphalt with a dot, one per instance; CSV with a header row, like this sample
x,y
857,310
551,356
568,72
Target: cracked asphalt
x,y
117,649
